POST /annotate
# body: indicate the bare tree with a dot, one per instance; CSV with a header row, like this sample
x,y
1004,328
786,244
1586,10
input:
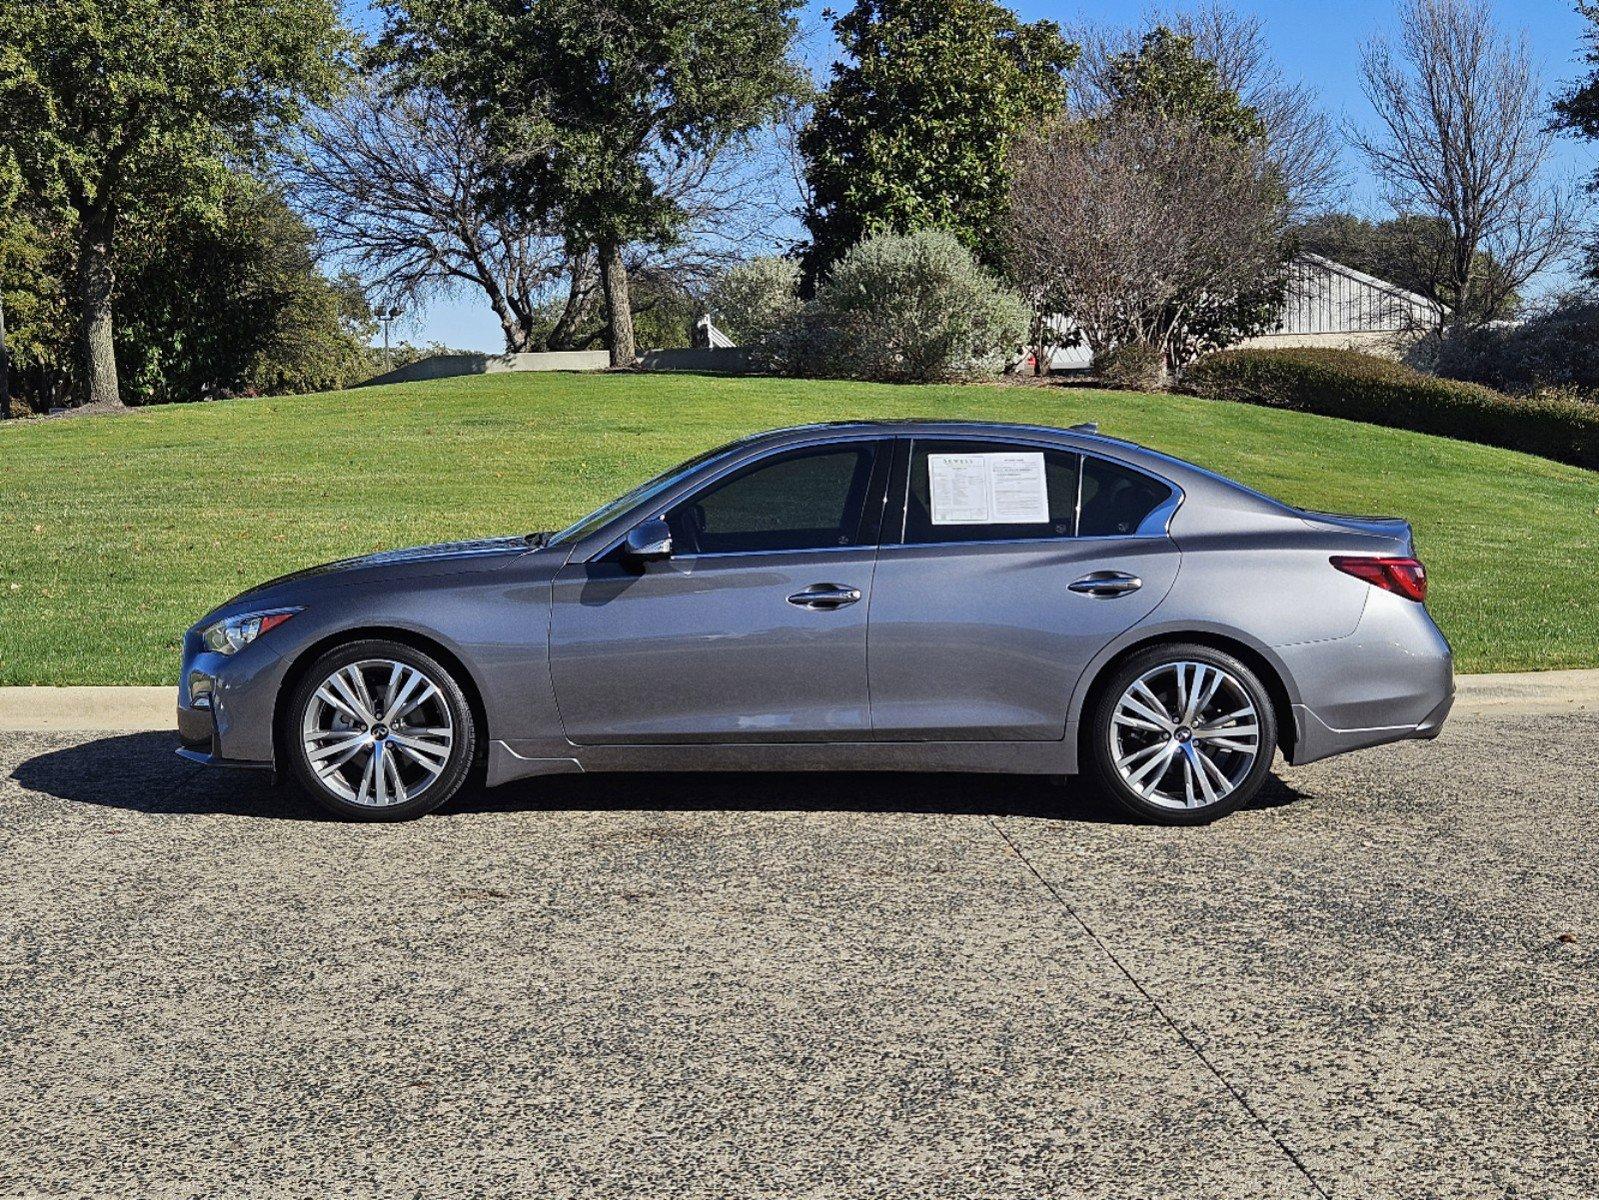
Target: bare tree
x,y
1462,135
1302,141
395,185
1137,228
404,191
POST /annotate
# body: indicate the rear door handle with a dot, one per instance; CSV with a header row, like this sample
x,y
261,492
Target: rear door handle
x,y
1106,584
825,596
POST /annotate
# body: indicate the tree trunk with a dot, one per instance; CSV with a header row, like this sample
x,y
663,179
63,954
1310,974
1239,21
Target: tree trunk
x,y
5,366
618,304
95,281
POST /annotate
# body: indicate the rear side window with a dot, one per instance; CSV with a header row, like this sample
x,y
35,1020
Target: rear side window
x,y
809,500
989,491
1116,500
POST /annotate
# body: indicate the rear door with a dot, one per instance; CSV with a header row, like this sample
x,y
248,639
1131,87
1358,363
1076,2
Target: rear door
x,y
753,631
1009,566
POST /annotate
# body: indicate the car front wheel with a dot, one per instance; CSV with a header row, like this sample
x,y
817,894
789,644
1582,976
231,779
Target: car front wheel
x,y
378,731
1182,734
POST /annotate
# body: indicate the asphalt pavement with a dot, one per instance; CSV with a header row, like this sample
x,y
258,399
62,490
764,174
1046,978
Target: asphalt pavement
x,y
1381,980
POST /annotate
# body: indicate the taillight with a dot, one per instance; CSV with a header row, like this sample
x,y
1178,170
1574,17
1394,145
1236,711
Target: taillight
x,y
1404,576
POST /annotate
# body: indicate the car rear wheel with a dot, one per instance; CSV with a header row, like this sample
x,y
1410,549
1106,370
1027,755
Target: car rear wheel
x,y
1182,734
378,731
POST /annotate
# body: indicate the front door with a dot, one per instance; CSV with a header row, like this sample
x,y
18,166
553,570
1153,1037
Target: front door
x,y
753,631
1017,564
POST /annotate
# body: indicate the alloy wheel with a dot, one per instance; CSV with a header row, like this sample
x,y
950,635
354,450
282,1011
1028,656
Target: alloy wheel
x,y
377,732
1184,735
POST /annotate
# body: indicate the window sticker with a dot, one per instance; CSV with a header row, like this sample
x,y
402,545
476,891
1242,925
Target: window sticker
x,y
988,489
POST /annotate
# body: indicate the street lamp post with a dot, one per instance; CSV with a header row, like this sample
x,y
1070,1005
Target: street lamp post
x,y
388,316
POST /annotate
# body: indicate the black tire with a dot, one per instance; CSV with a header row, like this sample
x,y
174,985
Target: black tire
x,y
1100,746
449,701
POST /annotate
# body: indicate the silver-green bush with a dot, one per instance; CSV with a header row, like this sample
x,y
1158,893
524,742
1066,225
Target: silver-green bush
x,y
910,308
755,299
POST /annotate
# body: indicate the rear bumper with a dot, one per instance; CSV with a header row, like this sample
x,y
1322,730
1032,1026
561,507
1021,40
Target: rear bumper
x,y
1391,680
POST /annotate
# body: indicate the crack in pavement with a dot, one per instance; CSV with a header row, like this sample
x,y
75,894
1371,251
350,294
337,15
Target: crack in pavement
x,y
1160,1010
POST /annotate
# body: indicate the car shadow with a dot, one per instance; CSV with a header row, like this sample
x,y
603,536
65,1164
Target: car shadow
x,y
139,772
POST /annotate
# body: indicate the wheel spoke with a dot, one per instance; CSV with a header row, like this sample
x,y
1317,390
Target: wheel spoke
x,y
1206,764
363,693
1154,769
397,702
1156,714
367,776
1196,762
354,705
1138,723
346,741
1157,706
415,701
396,785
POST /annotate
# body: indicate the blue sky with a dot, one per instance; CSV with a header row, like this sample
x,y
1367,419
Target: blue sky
x,y
1316,43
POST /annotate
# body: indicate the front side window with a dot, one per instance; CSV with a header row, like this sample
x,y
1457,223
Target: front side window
x,y
970,491
806,500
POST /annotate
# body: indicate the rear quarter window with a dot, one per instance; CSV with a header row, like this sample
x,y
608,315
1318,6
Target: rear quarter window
x,y
1116,500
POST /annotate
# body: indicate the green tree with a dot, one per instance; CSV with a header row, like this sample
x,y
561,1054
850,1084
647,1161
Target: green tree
x,y
110,105
586,103
1166,77
914,128
235,304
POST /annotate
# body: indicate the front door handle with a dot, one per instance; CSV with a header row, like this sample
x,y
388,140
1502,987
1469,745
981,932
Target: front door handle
x,y
1106,584
825,596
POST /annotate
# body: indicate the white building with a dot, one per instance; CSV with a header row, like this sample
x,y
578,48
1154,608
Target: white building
x,y
1328,304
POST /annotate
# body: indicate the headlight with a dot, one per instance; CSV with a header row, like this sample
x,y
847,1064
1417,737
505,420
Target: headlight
x,y
232,634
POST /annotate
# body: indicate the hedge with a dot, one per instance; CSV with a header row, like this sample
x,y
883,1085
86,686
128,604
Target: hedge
x,y
1362,387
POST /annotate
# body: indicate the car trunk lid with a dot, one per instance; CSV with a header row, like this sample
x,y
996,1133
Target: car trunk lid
x,y
1395,530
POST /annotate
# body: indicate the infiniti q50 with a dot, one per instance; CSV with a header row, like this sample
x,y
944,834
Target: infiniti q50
x,y
913,596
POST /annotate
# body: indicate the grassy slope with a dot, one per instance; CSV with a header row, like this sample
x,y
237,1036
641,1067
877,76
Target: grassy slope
x,y
115,533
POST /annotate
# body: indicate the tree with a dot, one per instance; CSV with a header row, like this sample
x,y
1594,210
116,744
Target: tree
x,y
1140,228
1577,111
235,304
1220,58
1154,215
914,128
587,104
395,180
112,104
1462,137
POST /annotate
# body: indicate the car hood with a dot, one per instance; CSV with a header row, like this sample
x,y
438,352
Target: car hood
x,y
413,562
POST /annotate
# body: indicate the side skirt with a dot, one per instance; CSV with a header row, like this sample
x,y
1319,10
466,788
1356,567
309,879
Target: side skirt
x,y
518,760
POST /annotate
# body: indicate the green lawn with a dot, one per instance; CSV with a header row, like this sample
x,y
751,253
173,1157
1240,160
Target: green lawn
x,y
116,533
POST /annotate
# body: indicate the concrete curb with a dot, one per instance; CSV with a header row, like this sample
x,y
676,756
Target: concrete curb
x,y
137,709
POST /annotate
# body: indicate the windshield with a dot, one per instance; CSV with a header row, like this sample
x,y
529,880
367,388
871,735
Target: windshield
x,y
584,526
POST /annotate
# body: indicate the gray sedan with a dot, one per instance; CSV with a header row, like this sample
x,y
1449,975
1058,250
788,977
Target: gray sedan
x,y
936,596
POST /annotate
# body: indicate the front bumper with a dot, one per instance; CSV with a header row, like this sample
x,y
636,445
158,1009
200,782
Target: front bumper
x,y
230,722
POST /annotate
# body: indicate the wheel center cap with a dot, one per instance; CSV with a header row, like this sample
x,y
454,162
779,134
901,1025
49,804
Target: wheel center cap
x,y
380,731
1183,733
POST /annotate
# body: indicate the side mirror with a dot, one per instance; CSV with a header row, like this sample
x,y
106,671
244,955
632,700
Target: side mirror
x,y
648,541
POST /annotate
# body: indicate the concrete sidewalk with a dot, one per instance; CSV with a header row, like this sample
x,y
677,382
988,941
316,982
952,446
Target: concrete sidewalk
x,y
141,709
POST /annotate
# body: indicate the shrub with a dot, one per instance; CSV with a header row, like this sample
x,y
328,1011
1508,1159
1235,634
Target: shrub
x,y
1555,349
911,308
1133,367
1360,387
755,299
